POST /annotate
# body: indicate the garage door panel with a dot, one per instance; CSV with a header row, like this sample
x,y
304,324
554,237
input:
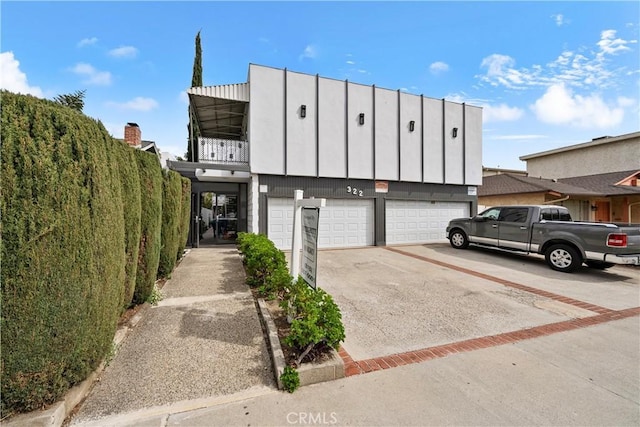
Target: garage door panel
x,y
414,221
343,223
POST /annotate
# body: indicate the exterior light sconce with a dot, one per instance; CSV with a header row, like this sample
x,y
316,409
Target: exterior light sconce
x,y
361,118
454,132
412,125
594,208
303,111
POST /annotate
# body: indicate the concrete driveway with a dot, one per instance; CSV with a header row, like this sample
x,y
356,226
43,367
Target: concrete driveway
x,y
409,298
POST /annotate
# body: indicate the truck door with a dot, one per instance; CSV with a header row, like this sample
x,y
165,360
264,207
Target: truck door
x,y
484,227
514,227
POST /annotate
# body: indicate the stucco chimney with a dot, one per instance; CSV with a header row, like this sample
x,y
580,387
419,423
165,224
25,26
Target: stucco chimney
x,y
132,134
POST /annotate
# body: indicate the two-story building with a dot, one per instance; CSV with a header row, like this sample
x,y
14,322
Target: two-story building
x,y
394,167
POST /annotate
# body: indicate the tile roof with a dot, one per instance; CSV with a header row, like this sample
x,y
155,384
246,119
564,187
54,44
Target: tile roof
x,y
589,185
604,183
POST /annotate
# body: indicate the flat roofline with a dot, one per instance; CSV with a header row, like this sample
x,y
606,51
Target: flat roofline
x,y
592,143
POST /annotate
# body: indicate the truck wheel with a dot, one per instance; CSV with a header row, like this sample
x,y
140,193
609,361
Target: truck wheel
x,y
458,239
599,265
563,258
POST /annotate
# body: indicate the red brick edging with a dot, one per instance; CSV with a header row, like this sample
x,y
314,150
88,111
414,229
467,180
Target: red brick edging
x,y
352,367
560,298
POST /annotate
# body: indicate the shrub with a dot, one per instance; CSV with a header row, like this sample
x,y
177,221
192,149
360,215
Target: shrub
x,y
131,198
171,211
63,249
185,215
150,224
290,379
316,319
265,264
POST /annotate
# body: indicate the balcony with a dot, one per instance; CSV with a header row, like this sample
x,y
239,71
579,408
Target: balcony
x,y
223,151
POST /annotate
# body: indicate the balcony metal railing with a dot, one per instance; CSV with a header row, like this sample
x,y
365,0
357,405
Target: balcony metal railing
x,y
223,151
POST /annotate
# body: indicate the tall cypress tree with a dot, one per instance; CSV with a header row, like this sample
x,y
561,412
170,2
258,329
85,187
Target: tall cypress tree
x,y
196,81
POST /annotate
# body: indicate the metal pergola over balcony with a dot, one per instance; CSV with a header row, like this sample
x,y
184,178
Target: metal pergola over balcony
x,y
221,115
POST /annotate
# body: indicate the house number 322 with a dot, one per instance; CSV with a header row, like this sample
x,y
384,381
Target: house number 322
x,y
354,191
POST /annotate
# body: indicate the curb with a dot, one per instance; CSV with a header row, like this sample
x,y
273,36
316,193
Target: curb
x,y
268,325
309,373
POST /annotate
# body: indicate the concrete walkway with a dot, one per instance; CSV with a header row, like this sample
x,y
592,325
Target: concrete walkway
x,y
203,341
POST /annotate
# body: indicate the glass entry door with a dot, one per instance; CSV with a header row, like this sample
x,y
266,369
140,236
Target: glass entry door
x,y
225,217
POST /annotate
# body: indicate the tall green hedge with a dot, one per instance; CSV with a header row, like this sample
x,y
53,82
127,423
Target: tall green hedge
x,y
131,198
171,211
150,224
185,215
63,249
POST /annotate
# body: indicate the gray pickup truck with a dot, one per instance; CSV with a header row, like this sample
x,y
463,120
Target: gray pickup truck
x,y
550,231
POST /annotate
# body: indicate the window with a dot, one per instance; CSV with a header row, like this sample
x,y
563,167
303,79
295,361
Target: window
x,y
491,213
554,214
514,214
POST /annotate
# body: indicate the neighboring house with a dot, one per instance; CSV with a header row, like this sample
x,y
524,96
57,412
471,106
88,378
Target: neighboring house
x,y
394,167
486,171
133,137
598,192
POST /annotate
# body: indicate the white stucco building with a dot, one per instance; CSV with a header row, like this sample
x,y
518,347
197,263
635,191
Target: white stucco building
x,y
393,166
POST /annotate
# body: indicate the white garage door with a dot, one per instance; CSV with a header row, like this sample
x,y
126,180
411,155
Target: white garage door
x,y
343,223
413,221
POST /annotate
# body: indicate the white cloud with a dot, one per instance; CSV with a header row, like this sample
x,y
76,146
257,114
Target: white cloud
x,y
14,80
560,20
500,113
124,52
92,76
611,45
438,67
309,52
87,42
183,97
586,68
560,106
137,104
351,62
490,113
624,101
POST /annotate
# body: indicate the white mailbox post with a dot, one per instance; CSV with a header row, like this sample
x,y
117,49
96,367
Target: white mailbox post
x,y
296,241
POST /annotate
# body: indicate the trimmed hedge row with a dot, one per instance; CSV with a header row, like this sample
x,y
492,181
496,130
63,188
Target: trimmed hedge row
x,y
150,225
81,228
171,211
185,215
131,196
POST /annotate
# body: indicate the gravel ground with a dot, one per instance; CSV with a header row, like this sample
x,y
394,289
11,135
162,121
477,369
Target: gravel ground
x,y
203,340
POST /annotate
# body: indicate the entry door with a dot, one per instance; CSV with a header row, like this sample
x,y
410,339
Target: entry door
x,y
602,212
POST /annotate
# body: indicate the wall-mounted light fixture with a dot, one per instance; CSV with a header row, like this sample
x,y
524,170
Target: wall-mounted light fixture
x,y
361,119
454,132
303,111
412,125
594,208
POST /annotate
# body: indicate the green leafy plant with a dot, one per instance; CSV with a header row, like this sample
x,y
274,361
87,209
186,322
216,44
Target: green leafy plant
x,y
290,379
112,353
156,296
316,319
265,265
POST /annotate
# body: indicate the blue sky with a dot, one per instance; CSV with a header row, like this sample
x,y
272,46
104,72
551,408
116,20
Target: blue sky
x,y
547,74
